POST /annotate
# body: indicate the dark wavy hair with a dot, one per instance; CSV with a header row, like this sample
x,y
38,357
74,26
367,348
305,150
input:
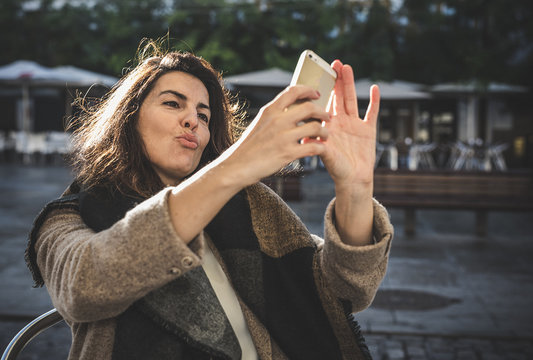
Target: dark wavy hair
x,y
107,148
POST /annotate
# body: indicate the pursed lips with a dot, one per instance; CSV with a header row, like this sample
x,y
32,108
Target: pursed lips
x,y
188,140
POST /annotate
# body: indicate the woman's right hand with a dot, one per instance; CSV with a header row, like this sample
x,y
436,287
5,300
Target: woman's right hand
x,y
269,143
273,138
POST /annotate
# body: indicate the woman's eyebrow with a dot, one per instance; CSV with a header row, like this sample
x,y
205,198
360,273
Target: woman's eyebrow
x,y
183,97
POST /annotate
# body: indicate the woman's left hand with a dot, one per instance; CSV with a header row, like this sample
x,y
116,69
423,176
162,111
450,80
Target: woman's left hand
x,y
349,156
351,145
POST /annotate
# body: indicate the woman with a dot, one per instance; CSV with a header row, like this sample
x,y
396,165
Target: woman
x,y
167,246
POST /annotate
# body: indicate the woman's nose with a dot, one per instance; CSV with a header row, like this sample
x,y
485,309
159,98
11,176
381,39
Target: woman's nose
x,y
190,120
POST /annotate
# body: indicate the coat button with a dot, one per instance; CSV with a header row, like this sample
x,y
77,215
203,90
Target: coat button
x,y
187,261
175,271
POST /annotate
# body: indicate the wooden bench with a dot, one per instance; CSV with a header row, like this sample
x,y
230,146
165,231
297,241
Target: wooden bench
x,y
477,191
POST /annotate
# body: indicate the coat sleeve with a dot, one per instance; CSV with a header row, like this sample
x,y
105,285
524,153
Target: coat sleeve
x,y
92,276
354,273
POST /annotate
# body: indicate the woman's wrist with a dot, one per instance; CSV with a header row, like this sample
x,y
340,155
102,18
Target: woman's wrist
x,y
233,172
354,213
354,191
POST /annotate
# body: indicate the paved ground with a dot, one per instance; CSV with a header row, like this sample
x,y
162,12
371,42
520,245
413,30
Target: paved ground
x,y
447,295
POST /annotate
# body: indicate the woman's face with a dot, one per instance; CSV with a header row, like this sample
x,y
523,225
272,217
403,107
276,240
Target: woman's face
x,y
174,125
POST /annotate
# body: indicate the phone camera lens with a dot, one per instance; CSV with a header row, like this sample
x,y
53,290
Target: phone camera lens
x,y
310,56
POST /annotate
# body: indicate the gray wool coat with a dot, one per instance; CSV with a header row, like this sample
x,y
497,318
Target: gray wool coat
x,y
93,277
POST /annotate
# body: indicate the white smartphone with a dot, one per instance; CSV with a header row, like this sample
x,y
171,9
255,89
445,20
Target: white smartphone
x,y
315,72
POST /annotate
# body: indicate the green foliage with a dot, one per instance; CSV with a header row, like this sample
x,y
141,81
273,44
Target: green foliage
x,y
488,40
426,41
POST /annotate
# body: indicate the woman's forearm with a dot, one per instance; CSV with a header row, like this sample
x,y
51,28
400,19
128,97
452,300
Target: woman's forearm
x,y
196,201
354,215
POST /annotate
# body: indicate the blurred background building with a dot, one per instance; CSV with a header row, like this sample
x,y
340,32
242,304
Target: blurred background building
x,y
458,126
456,76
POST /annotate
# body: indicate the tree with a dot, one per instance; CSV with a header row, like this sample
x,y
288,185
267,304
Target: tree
x,y
11,25
121,24
426,41
487,40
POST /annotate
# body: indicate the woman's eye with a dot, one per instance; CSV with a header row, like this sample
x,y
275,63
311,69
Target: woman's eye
x,y
203,117
173,104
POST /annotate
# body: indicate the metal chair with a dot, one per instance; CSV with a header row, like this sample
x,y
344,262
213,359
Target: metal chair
x,y
30,331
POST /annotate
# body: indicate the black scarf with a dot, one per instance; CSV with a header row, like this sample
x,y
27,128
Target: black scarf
x,y
184,320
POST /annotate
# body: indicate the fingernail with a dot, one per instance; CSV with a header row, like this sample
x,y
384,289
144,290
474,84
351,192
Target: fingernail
x,y
318,93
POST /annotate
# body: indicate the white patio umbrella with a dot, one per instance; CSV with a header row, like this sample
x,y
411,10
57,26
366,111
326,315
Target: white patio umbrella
x,y
28,74
394,90
36,74
74,77
473,87
22,73
263,78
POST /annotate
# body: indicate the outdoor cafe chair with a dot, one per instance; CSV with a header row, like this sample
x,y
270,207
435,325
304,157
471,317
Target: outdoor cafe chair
x,y
34,328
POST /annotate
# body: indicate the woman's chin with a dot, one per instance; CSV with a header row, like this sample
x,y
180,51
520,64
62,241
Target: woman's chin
x,y
177,174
